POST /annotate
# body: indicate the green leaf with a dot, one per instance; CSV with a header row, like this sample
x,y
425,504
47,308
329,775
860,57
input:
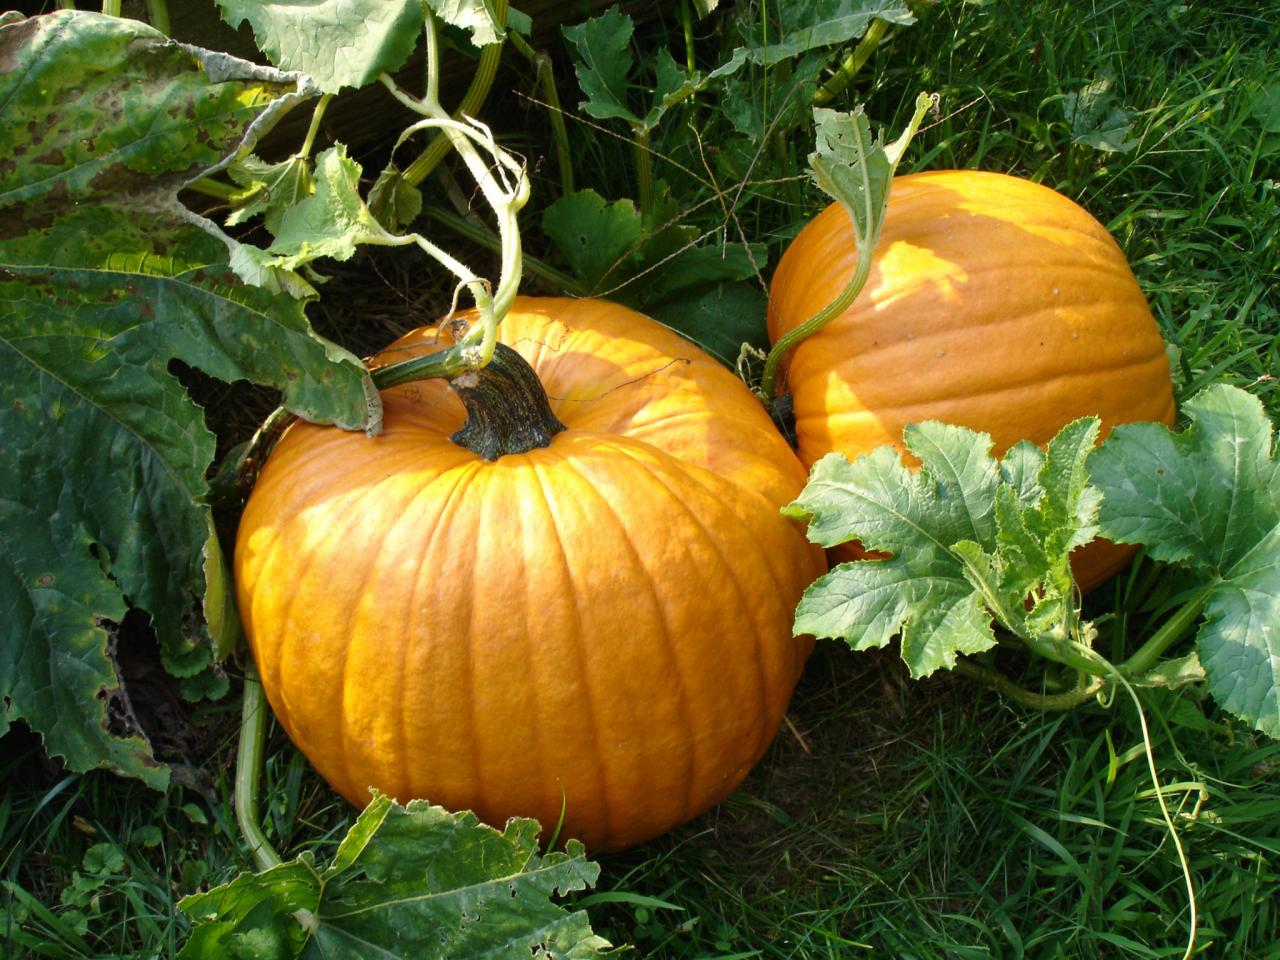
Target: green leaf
x,y
805,25
331,222
104,858
597,238
393,201
1208,497
758,109
604,72
921,590
1096,121
670,86
271,189
967,539
719,318
476,17
417,881
604,49
663,268
104,279
855,169
338,43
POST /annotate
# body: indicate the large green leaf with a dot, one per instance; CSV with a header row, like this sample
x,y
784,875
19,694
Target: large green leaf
x,y
415,882
1209,498
956,543
104,280
338,43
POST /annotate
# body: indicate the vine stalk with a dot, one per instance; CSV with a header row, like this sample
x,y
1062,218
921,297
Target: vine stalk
x,y
555,113
249,753
472,100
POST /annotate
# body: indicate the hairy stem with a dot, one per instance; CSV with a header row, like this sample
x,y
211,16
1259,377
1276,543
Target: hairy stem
x,y
855,61
314,128
1068,700
867,223
784,344
472,100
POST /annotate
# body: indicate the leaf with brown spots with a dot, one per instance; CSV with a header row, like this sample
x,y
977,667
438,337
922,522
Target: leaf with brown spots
x,y
104,280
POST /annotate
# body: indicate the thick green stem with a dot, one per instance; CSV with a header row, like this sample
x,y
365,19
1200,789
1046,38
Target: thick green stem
x,y
1070,655
253,735
1067,700
644,170
158,15
111,8
555,113
686,17
444,364
507,407
214,188
1176,626
856,60
472,101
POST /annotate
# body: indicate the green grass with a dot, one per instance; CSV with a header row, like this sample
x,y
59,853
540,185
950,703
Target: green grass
x,y
892,819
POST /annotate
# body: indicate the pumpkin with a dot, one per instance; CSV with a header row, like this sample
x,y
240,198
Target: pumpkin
x,y
993,302
599,625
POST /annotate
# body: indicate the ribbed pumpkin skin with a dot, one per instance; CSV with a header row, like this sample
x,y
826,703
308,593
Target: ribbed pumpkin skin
x,y
604,623
993,302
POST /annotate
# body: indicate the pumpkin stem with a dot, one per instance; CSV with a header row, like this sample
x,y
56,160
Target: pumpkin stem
x,y
507,407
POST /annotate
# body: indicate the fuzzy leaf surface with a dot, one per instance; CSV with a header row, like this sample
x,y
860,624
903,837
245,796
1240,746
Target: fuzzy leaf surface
x,y
920,591
968,539
857,170
414,882
104,280
1208,497
338,43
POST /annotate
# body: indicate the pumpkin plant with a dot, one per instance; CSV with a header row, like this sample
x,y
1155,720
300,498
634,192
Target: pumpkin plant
x,y
990,301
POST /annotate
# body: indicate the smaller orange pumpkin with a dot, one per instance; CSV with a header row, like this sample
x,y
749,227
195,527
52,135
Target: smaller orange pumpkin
x,y
993,302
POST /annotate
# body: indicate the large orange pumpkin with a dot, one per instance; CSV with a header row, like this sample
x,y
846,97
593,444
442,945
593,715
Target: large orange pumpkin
x,y
601,625
993,302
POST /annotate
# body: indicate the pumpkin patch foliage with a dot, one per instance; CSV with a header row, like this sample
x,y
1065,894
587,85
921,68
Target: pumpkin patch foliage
x,y
550,576
438,885
104,279
974,546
